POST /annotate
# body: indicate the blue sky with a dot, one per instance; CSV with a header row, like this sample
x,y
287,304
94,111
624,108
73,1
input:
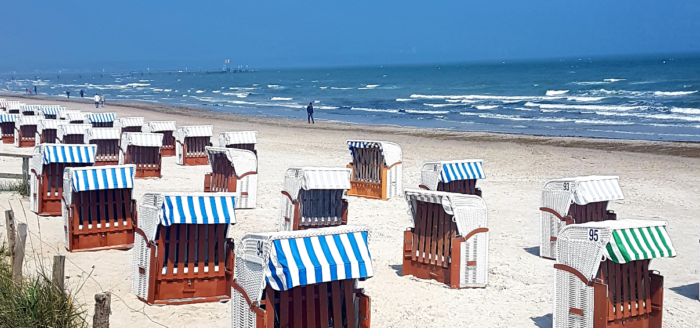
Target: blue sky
x,y
91,35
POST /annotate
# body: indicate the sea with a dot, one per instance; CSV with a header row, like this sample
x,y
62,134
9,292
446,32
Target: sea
x,y
647,98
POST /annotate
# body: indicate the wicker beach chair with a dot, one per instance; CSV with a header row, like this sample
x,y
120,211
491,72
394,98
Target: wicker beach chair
x,y
458,176
302,279
7,127
52,112
29,110
233,170
240,140
98,210
314,197
182,254
47,165
73,116
130,124
166,128
376,169
602,277
191,143
25,130
13,107
46,131
100,120
448,240
3,104
574,200
107,141
72,134
142,150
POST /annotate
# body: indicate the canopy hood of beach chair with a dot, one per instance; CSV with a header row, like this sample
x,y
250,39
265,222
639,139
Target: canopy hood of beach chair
x,y
390,151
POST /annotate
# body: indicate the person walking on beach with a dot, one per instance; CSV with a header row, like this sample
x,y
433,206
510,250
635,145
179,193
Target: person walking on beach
x,y
102,101
35,90
82,93
310,112
97,101
68,94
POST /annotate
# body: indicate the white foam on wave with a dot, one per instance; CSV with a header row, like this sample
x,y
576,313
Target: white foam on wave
x,y
375,110
550,110
241,88
137,84
216,91
280,98
404,99
340,88
586,107
369,87
601,122
323,88
452,100
237,94
556,92
584,99
685,110
200,91
273,86
414,111
613,80
157,90
168,90
674,93
466,98
486,107
590,83
441,105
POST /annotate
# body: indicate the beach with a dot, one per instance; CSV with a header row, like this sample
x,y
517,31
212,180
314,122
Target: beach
x,y
660,180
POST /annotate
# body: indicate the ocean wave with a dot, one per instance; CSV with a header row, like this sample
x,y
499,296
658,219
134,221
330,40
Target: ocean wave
x,y
340,88
280,98
273,86
584,99
613,80
453,100
482,97
605,122
586,107
441,105
137,84
486,107
168,90
556,92
404,99
323,88
375,110
414,111
216,91
590,83
523,108
368,87
200,91
241,88
237,94
674,93
157,90
685,110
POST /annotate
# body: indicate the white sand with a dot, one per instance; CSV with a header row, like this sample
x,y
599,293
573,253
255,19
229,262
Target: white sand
x,y
520,283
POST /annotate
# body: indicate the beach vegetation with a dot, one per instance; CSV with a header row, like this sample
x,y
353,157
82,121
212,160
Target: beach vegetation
x,y
17,186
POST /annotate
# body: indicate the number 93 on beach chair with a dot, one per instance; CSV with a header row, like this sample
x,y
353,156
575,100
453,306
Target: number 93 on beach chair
x,y
233,170
166,128
98,210
602,277
313,197
25,130
182,254
47,165
458,176
376,169
302,279
449,239
574,200
191,143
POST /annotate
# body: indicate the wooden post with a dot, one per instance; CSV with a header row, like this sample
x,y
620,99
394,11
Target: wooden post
x,y
103,309
25,171
58,276
11,233
19,253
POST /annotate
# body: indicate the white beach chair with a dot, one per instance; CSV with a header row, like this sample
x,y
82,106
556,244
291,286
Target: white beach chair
x,y
7,127
25,130
233,170
376,169
142,150
107,141
72,133
458,176
100,120
166,128
191,143
239,139
130,124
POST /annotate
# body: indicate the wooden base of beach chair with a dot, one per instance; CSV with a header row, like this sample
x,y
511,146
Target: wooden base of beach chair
x,y
113,230
107,152
48,136
193,161
325,208
167,151
148,161
8,132
27,136
371,190
106,162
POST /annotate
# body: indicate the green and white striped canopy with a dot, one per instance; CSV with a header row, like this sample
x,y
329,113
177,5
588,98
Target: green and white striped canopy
x,y
642,243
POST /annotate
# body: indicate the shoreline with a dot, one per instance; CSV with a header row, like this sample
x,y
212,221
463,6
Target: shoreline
x,y
672,148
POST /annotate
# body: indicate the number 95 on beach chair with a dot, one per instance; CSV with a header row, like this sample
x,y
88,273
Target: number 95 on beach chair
x,y
602,277
98,210
47,165
233,170
181,251
574,200
191,143
376,169
453,176
449,240
313,197
302,279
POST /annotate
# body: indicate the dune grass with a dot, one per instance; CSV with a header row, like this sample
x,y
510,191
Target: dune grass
x,y
15,186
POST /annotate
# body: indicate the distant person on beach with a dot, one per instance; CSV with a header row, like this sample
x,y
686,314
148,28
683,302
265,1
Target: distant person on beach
x,y
36,93
102,101
82,93
68,94
310,112
97,101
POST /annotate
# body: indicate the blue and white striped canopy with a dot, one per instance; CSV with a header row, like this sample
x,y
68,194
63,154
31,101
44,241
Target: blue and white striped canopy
x,y
51,110
198,210
312,260
363,144
69,153
102,118
7,118
467,170
102,178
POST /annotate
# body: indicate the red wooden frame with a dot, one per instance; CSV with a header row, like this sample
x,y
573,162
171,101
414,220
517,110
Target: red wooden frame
x,y
50,187
312,306
168,148
432,249
90,208
174,244
8,132
193,151
107,151
27,136
148,161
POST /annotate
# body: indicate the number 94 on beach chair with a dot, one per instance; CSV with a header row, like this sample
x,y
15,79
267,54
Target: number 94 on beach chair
x,y
302,279
602,277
